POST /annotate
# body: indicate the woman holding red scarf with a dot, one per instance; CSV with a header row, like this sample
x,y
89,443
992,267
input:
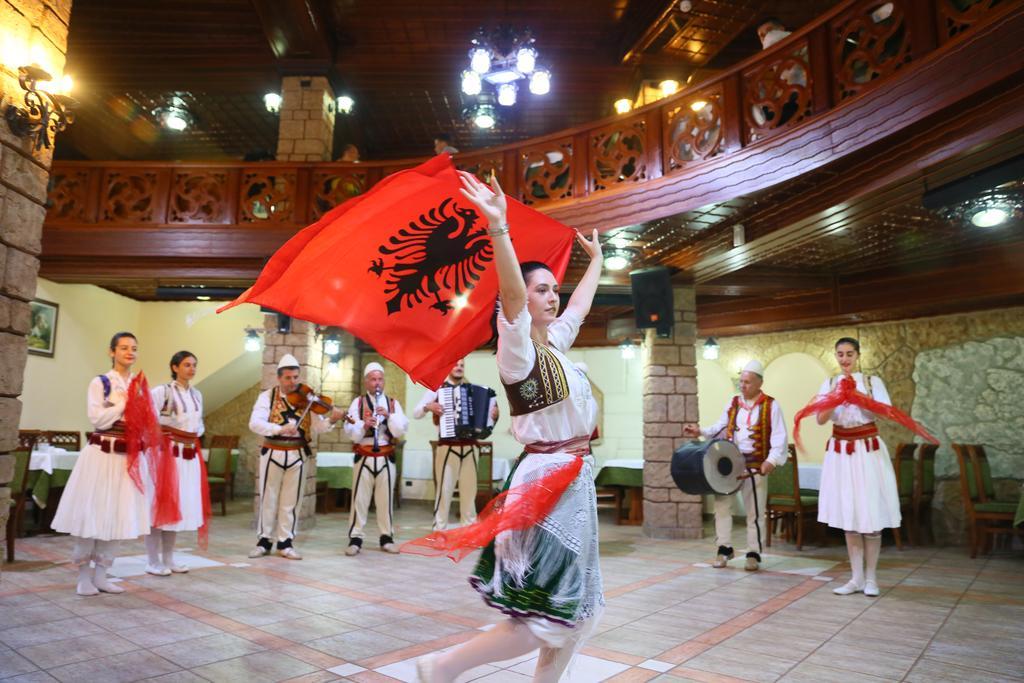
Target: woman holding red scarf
x,y
179,406
539,537
858,486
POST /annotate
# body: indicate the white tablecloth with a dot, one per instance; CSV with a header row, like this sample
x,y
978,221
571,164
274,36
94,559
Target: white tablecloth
x,y
416,464
810,476
637,464
50,459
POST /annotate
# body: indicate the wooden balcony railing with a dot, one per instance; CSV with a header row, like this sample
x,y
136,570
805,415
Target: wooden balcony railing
x,y
842,55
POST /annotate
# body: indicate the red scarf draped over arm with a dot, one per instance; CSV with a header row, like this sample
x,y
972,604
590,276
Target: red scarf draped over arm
x,y
143,437
845,393
203,534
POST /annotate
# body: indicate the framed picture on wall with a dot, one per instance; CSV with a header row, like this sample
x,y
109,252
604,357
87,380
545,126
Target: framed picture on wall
x,y
42,334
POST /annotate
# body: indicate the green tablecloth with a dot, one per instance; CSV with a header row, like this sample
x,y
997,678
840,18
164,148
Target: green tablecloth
x,y
619,476
40,483
1019,517
336,477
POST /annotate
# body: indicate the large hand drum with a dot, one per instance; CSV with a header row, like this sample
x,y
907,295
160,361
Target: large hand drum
x,y
701,467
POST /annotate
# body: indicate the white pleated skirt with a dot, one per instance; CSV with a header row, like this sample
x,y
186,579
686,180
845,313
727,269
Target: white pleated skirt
x,y
858,490
190,494
101,501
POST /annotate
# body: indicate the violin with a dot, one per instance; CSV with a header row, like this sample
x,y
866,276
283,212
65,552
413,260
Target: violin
x,y
306,400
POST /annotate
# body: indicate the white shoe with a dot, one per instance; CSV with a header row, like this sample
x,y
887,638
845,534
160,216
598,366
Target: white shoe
x,y
353,550
179,568
389,548
99,580
85,585
157,570
425,669
289,553
871,589
259,551
848,588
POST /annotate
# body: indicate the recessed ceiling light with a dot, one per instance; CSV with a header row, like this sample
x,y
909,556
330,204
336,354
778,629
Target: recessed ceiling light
x,y
990,217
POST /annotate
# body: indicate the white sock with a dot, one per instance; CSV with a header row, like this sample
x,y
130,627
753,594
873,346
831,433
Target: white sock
x,y
872,549
167,539
85,584
508,639
855,549
153,546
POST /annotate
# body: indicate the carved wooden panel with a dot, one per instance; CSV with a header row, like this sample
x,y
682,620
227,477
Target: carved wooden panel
x,y
129,197
777,93
693,129
199,196
956,16
331,188
546,172
483,167
617,154
870,42
267,196
68,197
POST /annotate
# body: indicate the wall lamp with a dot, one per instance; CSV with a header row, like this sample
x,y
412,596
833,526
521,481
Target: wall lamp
x,y
45,114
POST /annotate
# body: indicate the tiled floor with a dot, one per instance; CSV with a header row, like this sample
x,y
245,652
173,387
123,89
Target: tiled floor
x,y
670,617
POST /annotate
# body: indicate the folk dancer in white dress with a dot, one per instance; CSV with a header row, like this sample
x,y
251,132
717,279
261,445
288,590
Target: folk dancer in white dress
x,y
455,460
375,423
179,407
287,432
763,445
102,505
541,569
858,486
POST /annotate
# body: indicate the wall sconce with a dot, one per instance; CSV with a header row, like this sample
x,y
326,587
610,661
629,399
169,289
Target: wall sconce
x,y
45,114
710,351
628,349
252,339
272,101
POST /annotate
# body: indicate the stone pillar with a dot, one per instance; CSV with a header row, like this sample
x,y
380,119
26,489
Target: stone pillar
x,y
30,31
302,343
670,401
342,383
306,128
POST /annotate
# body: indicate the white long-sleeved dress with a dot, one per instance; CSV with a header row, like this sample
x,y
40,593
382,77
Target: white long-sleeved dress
x,y
182,409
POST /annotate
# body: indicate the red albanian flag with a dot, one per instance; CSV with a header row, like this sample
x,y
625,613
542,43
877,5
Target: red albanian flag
x,y
406,267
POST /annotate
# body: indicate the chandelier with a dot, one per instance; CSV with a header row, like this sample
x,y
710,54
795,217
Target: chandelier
x,y
503,58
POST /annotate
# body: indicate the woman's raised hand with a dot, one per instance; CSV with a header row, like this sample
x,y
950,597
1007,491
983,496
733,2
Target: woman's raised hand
x,y
592,246
490,200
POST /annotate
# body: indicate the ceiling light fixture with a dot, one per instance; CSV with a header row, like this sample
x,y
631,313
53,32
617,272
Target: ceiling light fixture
x,y
483,116
272,101
501,58
990,217
174,115
623,106
345,104
989,209
618,258
710,350
252,340
668,87
628,349
698,105
507,94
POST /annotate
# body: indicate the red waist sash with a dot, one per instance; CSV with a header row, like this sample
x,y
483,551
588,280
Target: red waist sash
x,y
850,435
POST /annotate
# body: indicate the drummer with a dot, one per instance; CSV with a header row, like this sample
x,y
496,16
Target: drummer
x,y
763,444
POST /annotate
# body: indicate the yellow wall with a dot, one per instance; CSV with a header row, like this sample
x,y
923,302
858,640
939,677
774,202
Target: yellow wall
x,y
54,393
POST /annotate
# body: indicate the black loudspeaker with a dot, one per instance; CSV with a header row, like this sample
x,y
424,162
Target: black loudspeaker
x,y
652,299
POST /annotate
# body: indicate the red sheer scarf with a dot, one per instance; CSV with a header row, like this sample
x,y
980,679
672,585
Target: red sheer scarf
x,y
845,393
203,534
144,437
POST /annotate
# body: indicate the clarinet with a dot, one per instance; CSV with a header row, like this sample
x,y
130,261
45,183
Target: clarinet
x,y
378,418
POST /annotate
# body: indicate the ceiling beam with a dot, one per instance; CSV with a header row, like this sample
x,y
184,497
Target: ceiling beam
x,y
297,34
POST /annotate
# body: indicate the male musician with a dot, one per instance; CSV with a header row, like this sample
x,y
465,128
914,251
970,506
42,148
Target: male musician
x,y
375,422
286,433
455,460
753,421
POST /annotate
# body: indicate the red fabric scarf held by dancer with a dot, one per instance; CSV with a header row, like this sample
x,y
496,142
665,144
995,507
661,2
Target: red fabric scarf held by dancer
x,y
407,268
143,437
203,534
845,393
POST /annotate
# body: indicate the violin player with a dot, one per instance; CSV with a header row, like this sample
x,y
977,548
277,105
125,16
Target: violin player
x,y
283,415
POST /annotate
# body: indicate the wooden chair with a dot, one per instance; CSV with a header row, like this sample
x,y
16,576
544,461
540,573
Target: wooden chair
x,y
230,442
19,489
925,490
70,441
484,474
786,503
905,467
982,511
218,475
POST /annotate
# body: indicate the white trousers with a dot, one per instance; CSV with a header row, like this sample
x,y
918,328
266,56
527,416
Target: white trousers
x,y
755,514
454,463
374,480
101,553
281,477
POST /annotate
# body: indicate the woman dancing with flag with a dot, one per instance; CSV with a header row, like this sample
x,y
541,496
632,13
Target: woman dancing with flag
x,y
858,486
539,536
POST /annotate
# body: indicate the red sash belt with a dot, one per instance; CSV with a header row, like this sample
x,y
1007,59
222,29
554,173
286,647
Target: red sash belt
x,y
183,444
278,443
368,452
109,442
579,447
850,435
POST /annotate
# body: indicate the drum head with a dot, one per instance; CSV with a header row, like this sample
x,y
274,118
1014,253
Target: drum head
x,y
723,465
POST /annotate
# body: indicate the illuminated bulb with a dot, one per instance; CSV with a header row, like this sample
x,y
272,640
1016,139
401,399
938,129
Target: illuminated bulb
x,y
202,297
616,262
989,218
272,101
628,350
471,82
175,121
332,347
540,82
526,60
345,104
619,242
484,117
698,105
623,106
252,341
66,84
710,351
480,60
507,94
668,87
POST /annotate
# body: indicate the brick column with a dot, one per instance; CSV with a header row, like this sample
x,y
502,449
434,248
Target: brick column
x,y
343,384
670,401
302,343
36,30
306,128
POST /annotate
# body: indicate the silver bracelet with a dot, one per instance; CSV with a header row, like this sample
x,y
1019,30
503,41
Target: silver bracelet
x,y
498,231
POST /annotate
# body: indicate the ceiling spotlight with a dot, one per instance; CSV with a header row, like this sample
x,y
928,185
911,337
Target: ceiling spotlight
x,y
483,117
540,82
668,87
623,106
507,94
990,217
345,104
471,84
272,101
618,259
710,351
175,115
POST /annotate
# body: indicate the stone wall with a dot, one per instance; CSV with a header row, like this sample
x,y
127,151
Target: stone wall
x,y
306,129
957,374
670,402
232,419
34,31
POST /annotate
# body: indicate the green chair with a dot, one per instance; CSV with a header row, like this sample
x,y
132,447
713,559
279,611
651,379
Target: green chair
x,y
484,474
230,442
982,511
787,503
218,475
19,490
905,467
925,489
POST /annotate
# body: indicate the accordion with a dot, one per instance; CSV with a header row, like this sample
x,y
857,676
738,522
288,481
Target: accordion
x,y
467,409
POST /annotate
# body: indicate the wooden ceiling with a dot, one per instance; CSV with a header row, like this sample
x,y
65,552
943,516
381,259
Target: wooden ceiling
x,y
400,60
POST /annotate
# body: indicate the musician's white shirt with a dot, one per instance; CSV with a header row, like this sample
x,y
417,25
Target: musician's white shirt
x,y
259,419
431,397
398,423
777,452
